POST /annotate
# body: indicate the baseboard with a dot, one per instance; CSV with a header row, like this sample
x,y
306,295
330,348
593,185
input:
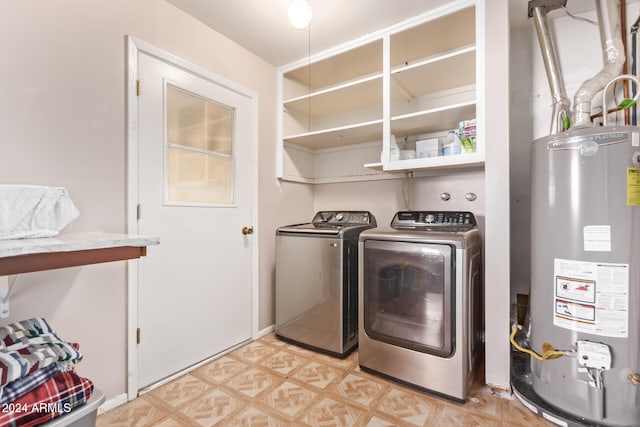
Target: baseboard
x,y
267,331
122,398
110,404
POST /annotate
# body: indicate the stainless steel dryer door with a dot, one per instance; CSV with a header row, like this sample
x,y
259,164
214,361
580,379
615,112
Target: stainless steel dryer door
x,y
308,290
408,295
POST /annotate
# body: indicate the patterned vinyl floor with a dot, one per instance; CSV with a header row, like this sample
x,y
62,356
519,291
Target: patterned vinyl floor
x,y
272,383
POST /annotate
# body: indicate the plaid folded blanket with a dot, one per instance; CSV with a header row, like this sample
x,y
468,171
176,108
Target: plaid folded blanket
x,y
22,386
30,345
55,397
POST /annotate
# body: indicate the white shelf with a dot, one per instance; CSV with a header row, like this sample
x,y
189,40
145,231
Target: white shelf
x,y
348,96
334,88
433,120
436,74
375,166
338,101
456,161
452,162
343,67
433,37
339,136
434,58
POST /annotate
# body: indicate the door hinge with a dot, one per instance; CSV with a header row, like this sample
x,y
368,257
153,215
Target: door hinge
x,y
138,212
138,336
138,87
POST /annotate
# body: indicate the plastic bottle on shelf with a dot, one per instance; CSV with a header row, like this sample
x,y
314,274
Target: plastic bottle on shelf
x,y
394,149
452,144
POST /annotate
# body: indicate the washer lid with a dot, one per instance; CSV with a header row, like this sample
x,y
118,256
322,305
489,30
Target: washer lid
x,y
333,223
311,229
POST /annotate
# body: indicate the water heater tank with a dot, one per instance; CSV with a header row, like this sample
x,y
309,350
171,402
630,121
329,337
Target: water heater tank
x,y
585,272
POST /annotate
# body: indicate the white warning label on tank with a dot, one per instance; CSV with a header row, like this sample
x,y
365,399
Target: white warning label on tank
x,y
591,297
597,238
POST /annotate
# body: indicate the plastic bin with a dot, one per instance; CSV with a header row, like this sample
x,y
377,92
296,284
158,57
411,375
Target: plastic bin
x,y
82,416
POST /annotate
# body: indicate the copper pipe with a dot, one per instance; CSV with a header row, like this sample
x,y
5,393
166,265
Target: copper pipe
x,y
625,67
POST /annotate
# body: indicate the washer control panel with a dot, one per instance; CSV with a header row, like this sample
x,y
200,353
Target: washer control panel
x,y
419,219
343,218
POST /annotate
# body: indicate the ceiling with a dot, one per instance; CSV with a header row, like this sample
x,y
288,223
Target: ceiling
x,y
262,26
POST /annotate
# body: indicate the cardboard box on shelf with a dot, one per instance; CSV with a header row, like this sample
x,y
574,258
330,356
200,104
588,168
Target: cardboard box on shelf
x,y
428,148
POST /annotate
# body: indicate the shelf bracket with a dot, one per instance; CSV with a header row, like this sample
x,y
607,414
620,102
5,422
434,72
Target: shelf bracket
x,y
6,285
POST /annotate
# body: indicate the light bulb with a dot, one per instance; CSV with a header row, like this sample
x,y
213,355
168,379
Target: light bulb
x,y
300,14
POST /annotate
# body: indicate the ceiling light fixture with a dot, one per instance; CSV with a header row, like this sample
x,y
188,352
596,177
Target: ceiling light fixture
x,y
300,14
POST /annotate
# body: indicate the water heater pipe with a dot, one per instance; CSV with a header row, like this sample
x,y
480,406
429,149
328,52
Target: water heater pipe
x,y
558,94
634,37
613,56
625,66
606,89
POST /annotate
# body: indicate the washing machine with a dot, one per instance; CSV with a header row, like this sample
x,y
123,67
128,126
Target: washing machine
x,y
420,301
317,281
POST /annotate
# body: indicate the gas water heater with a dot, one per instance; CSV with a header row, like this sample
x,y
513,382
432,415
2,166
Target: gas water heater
x,y
585,272
583,335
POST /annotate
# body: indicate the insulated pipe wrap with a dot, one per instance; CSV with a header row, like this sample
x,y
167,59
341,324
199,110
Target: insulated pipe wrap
x,y
613,57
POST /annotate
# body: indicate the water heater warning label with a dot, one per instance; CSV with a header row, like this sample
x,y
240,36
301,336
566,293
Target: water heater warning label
x,y
633,186
591,297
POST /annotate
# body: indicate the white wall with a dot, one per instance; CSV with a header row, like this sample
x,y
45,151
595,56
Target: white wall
x,y
62,123
384,198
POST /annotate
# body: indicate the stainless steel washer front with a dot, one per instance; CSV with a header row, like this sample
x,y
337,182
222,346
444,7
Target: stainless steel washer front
x,y
317,281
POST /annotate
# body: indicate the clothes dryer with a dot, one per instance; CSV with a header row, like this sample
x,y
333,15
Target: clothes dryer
x,y
420,293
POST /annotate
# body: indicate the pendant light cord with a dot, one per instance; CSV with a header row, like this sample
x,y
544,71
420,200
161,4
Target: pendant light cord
x,y
309,77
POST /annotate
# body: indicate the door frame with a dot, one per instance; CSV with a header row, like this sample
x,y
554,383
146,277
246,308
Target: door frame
x,y
134,47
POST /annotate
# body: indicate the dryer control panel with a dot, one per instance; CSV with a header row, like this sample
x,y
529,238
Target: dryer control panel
x,y
420,219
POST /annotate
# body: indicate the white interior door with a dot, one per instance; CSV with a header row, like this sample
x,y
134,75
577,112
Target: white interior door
x,y
195,193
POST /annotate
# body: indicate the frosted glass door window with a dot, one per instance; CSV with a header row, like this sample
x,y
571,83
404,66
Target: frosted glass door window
x,y
199,150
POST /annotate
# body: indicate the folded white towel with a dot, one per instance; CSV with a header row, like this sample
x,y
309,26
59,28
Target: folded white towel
x,y
28,211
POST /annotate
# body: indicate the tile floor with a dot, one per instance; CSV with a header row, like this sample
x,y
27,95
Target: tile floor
x,y
272,383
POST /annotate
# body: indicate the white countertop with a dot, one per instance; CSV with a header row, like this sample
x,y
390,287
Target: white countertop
x,y
73,242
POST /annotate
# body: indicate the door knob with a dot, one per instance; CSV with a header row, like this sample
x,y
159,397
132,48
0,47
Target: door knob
x,y
247,230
